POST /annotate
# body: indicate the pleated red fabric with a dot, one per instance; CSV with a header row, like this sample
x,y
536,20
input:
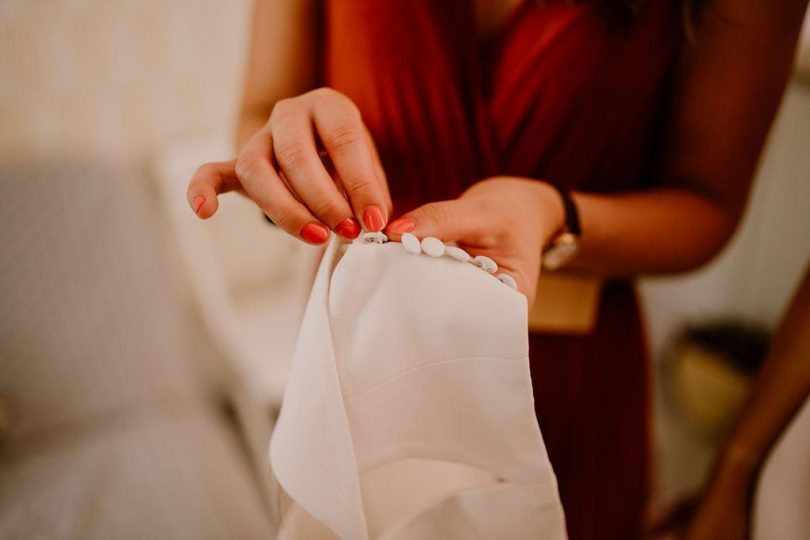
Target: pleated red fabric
x,y
557,93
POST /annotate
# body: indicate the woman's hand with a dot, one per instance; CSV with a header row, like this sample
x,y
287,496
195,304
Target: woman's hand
x,y
281,170
721,512
507,219
721,515
724,510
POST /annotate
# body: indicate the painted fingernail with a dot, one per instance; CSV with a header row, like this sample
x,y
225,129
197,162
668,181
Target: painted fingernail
x,y
348,228
401,225
373,218
197,203
315,233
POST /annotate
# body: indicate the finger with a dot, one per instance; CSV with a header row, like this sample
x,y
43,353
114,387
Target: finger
x,y
462,221
457,220
378,169
330,168
208,181
268,191
296,153
342,133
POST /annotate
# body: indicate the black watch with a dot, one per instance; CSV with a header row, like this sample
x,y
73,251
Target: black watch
x,y
565,244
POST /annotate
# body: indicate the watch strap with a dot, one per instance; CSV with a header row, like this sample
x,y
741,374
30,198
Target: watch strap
x,y
570,210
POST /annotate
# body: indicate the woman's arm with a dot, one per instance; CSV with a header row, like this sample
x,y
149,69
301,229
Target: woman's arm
x,y
281,60
729,83
778,392
284,130
782,386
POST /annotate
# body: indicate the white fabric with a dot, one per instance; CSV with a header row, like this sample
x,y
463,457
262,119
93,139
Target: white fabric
x,y
409,411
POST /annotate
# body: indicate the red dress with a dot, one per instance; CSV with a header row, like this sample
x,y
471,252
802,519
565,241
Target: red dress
x,y
556,94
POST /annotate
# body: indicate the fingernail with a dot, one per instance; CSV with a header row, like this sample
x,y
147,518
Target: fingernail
x,y
401,225
348,228
197,203
315,233
373,219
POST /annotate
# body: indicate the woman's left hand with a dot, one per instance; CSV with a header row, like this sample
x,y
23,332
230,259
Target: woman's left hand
x,y
507,219
721,515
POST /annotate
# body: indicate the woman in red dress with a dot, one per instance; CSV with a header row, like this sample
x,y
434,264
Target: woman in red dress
x,y
458,118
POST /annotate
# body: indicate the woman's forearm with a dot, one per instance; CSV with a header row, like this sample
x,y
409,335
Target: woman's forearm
x,y
281,60
778,392
727,85
657,231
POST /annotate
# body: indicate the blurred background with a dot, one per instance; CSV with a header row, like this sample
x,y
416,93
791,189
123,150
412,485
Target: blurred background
x,y
143,353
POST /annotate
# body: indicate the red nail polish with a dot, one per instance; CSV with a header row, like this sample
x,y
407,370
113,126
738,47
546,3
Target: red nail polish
x,y
373,218
197,203
401,225
348,228
315,233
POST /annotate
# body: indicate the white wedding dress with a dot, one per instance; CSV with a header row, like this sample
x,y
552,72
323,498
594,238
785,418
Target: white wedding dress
x,y
409,412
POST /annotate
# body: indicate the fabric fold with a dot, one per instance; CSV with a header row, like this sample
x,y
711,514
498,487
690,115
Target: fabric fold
x,y
311,450
409,409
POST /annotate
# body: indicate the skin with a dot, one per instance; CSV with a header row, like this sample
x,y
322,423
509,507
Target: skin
x,y
714,138
780,389
777,394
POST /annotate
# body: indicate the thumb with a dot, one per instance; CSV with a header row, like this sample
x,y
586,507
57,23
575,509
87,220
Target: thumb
x,y
456,220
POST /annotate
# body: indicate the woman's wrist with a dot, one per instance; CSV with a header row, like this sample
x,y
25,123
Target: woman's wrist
x,y
534,203
552,213
736,468
739,459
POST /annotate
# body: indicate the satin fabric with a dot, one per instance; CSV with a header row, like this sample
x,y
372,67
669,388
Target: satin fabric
x,y
557,93
408,412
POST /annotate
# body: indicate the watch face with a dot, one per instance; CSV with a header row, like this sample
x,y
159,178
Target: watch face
x,y
562,251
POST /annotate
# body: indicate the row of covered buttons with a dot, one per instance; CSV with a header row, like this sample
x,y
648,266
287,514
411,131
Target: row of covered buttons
x,y
436,248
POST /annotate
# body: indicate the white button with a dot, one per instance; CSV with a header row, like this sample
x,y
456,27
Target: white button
x,y
509,280
433,246
485,263
411,243
457,253
374,238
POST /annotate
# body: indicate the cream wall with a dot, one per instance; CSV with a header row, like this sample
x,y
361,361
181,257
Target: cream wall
x,y
116,78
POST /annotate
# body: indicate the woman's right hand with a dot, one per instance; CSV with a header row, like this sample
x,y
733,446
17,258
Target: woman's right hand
x,y
280,168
